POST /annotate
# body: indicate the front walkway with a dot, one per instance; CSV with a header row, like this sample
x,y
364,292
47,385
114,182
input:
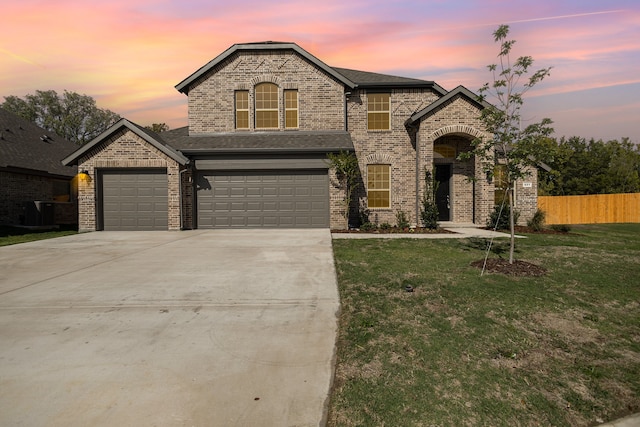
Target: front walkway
x,y
457,231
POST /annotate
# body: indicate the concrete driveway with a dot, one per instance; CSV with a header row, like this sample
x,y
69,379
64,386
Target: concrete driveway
x,y
192,328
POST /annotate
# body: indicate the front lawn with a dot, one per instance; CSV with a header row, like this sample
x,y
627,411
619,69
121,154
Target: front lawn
x,y
12,235
466,350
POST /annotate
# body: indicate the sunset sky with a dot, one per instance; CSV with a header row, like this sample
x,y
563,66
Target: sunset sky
x,y
129,55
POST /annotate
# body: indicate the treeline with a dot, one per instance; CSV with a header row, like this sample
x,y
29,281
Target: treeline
x,y
582,167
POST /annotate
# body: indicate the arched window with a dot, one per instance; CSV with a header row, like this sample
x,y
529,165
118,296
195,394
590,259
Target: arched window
x,y
266,106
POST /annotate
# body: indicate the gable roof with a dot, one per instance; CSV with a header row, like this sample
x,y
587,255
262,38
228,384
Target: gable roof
x,y
365,79
459,91
26,147
151,137
185,85
263,142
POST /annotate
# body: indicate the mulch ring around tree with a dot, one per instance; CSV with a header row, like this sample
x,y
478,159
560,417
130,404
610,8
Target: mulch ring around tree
x,y
518,268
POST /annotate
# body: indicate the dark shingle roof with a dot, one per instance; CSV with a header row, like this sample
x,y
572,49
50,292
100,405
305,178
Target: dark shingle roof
x,y
243,142
26,146
367,79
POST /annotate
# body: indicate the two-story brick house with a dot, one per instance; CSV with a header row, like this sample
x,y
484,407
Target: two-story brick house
x,y
262,119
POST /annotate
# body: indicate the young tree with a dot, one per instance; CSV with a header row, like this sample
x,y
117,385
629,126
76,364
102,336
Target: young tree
x,y
516,148
72,116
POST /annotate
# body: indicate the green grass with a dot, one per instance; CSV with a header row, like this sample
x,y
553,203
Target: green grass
x,y
467,350
13,235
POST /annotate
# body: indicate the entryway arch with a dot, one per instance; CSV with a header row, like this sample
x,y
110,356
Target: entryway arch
x,y
456,195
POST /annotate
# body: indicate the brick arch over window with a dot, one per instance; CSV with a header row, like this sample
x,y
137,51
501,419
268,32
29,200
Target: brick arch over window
x,y
378,158
456,129
266,78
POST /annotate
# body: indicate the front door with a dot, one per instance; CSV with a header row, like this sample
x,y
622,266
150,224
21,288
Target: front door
x,y
443,194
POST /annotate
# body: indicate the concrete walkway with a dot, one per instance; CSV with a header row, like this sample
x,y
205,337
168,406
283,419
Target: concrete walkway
x,y
193,328
457,231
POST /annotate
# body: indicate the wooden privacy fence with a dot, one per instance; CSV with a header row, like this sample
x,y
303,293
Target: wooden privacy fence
x,y
591,209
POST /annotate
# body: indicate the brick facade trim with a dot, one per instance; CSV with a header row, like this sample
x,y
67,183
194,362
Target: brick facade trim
x,y
455,129
378,159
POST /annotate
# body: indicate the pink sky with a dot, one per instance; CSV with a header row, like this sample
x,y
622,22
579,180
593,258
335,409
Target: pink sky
x,y
129,55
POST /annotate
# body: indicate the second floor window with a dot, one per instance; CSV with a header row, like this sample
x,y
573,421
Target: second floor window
x,y
242,109
290,108
378,111
266,106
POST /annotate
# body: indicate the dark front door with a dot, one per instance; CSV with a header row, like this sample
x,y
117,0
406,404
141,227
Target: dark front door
x,y
443,195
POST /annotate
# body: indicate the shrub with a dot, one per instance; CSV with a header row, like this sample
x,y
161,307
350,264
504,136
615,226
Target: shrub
x,y
402,219
368,226
363,215
385,226
429,211
499,218
536,223
562,228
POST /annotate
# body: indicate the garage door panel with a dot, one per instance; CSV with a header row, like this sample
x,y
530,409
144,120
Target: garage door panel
x,y
134,199
263,199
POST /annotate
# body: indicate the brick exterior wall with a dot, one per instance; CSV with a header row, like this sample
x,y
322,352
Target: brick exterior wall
x,y
526,200
212,98
394,147
18,188
124,149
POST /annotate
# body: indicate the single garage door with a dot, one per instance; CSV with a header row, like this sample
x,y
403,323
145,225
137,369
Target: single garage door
x,y
275,199
134,200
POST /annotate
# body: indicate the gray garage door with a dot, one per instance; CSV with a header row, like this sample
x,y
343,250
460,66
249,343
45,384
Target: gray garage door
x,y
134,200
276,199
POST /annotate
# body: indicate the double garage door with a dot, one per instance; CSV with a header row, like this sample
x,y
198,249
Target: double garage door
x,y
136,199
253,199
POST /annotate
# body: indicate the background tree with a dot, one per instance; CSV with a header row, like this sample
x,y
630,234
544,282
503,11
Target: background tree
x,y
158,127
516,148
72,116
591,167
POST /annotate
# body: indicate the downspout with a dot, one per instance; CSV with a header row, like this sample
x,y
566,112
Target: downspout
x,y
346,116
180,196
417,177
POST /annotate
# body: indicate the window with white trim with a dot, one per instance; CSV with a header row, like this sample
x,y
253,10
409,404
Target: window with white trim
x,y
290,109
266,103
378,111
378,186
242,109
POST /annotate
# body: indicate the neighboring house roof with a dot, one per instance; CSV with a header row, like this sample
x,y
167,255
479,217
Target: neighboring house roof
x,y
26,147
243,142
151,137
365,79
459,91
185,85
